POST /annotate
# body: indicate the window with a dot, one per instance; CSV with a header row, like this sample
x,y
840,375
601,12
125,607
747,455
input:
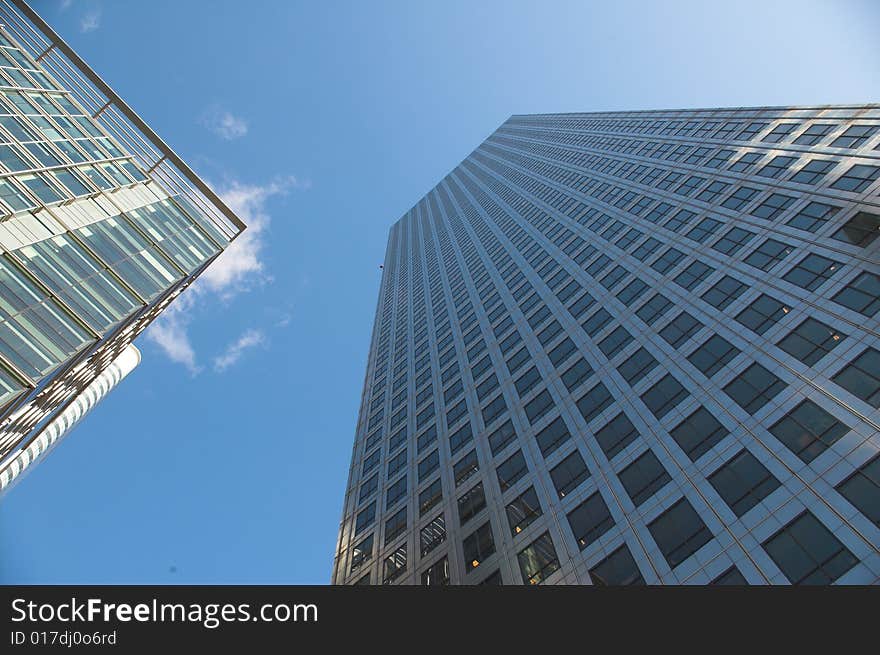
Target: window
x,y
698,433
590,520
632,292
652,310
437,574
594,402
762,314
664,396
861,295
478,546
471,503
775,204
754,388
733,241
539,406
429,465
553,436
466,467
679,532
861,377
397,463
813,134
862,489
720,158
731,577
743,482
538,560
677,222
693,275
486,387
596,322
680,329
854,136
432,535
750,131
812,272
746,162
646,249
857,178
562,352
361,553
667,260
368,488
813,171
703,230
617,434
615,276
808,430
511,470
634,369
807,552
569,473
395,526
713,355
618,569
577,374
643,478
779,132
768,254
711,193
518,360
724,292
493,410
777,166
813,216
810,341
430,496
460,438
581,305
371,461
502,437
427,437
739,198
615,342
395,565
395,493
527,381
860,230
523,510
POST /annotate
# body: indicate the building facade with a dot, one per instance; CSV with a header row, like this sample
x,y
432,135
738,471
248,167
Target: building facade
x,y
101,227
630,348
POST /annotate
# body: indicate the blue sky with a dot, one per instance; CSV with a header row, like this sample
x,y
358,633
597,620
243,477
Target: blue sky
x,y
223,458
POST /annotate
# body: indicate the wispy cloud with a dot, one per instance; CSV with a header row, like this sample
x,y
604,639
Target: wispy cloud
x,y
241,266
234,351
223,123
169,332
64,5
90,21
239,269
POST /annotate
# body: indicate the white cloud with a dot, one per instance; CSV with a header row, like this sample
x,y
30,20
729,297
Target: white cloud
x,y
90,21
169,332
241,265
237,270
65,4
236,349
223,123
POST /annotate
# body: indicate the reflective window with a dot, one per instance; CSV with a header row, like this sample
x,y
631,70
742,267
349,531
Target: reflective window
x,y
807,552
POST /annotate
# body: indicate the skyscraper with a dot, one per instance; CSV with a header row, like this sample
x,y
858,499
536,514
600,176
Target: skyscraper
x,y
627,348
101,227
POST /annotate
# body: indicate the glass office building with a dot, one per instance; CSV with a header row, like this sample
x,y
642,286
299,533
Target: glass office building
x,y
101,227
630,348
